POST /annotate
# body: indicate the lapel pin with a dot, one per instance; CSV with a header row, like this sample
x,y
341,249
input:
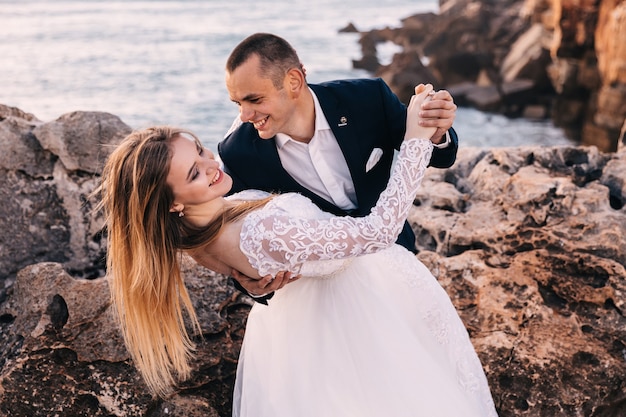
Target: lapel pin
x,y
343,121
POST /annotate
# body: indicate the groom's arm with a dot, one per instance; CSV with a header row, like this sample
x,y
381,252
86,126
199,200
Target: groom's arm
x,y
260,289
445,156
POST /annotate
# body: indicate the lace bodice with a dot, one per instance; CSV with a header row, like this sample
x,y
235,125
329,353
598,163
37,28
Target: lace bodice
x,y
291,234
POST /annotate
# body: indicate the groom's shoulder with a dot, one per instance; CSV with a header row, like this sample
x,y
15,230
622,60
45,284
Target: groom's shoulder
x,y
353,90
350,84
237,136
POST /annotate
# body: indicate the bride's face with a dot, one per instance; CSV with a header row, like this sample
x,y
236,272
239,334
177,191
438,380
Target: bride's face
x,y
195,176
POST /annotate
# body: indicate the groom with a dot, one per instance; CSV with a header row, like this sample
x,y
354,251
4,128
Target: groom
x,y
332,142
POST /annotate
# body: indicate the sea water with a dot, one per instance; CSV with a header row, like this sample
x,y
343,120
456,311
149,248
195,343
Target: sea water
x,y
162,62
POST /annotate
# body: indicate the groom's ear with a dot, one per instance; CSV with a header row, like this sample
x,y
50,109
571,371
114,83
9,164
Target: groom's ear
x,y
295,81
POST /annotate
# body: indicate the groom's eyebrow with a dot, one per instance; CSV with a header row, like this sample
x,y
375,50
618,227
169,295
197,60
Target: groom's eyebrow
x,y
250,97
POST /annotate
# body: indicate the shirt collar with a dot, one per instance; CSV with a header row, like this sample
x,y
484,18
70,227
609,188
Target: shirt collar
x,y
320,123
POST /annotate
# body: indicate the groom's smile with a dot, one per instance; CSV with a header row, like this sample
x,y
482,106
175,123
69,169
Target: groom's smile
x,y
258,125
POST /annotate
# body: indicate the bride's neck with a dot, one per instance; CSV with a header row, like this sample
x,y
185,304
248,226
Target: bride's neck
x,y
202,215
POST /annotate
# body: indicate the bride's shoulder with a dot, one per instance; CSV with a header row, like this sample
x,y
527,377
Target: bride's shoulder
x,y
249,195
292,199
295,204
287,202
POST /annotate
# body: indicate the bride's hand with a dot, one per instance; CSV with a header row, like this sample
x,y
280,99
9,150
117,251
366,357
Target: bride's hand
x,y
413,129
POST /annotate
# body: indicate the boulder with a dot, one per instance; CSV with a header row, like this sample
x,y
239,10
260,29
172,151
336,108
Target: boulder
x,y
571,51
63,354
46,174
530,245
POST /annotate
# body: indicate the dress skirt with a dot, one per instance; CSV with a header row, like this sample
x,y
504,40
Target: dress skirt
x,y
376,337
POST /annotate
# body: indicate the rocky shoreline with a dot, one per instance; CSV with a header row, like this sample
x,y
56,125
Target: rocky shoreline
x,y
529,243
563,60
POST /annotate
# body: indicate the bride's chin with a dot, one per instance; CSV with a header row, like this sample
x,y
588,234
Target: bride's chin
x,y
228,183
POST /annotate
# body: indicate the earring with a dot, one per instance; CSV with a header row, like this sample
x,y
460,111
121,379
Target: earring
x,y
181,214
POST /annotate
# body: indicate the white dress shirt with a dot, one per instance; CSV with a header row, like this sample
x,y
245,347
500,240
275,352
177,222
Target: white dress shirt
x,y
319,165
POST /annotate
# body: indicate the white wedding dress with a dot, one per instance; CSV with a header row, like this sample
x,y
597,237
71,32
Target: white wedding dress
x,y
367,331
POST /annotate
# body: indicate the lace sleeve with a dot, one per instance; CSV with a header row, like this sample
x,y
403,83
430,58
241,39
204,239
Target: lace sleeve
x,y
276,242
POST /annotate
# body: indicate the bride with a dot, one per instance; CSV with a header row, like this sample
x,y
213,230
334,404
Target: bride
x,y
366,330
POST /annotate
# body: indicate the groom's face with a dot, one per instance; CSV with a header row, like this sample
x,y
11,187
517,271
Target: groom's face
x,y
268,108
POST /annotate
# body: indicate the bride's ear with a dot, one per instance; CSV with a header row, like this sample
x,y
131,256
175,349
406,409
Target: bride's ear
x,y
177,207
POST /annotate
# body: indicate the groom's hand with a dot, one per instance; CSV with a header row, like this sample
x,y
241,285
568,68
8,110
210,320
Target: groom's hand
x,y
439,112
258,287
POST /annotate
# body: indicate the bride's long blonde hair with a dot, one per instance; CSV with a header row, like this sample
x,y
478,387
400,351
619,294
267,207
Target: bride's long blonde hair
x,y
143,259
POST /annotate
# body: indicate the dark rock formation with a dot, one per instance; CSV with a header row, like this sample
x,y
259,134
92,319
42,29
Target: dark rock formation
x,y
531,58
47,170
528,242
62,353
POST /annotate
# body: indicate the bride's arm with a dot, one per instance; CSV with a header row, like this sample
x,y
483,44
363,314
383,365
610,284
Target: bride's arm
x,y
209,261
225,257
274,242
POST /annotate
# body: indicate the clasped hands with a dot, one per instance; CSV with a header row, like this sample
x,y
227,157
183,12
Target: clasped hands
x,y
437,111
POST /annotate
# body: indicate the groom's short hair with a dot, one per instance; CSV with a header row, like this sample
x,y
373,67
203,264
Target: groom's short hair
x,y
276,56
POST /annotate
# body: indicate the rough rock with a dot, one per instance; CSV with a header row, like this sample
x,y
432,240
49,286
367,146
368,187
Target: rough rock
x,y
571,52
530,245
47,170
528,242
63,354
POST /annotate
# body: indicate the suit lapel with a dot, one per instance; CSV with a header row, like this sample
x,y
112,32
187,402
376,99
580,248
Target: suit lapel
x,y
344,127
